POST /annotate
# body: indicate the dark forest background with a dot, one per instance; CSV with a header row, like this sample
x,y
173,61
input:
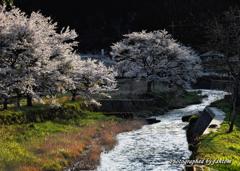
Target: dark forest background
x,y
100,23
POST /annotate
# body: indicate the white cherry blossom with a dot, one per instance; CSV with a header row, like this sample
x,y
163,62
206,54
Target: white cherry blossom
x,y
158,56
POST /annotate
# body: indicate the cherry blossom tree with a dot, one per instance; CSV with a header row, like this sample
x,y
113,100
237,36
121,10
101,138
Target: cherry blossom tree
x,y
91,77
36,60
157,56
32,54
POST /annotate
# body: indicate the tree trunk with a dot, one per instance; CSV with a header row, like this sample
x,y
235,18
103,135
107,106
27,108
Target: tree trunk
x,y
73,96
149,86
236,105
233,119
29,100
5,104
18,103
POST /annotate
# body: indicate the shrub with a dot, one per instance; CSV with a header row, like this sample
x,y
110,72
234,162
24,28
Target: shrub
x,y
62,162
8,117
65,153
53,166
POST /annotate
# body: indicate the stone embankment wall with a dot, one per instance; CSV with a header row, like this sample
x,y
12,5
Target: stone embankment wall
x,y
210,119
125,105
203,121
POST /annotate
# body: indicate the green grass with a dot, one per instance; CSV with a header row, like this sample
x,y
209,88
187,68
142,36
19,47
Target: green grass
x,y
190,96
224,106
155,94
71,111
44,122
166,101
12,153
187,99
222,145
15,138
21,133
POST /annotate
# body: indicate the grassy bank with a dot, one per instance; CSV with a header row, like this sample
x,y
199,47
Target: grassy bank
x,y
187,98
221,145
40,138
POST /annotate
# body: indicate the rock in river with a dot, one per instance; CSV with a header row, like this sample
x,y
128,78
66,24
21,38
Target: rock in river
x,y
152,120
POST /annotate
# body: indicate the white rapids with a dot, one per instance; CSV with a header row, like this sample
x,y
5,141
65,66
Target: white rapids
x,y
153,146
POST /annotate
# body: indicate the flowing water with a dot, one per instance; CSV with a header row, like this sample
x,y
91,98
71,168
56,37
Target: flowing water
x,y
153,146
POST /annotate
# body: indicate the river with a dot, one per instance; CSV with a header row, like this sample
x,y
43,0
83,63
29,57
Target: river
x,y
153,146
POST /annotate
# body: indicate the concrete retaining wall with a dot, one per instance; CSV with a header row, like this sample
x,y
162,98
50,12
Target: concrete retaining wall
x,y
210,118
203,121
125,105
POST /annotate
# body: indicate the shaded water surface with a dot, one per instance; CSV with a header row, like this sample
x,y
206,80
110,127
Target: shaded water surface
x,y
153,146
